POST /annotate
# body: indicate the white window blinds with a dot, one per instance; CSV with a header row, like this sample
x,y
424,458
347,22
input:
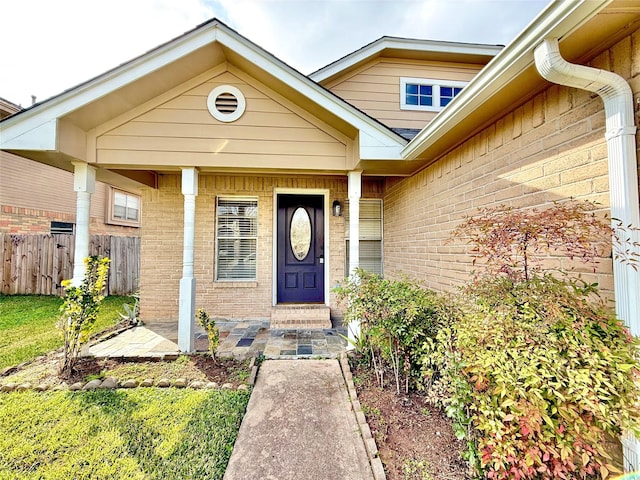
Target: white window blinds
x,y
236,238
370,236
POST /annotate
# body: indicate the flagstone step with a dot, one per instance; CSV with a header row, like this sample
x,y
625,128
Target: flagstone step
x,y
300,316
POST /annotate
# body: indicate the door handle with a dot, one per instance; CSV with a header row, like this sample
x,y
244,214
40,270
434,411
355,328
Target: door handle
x,y
320,259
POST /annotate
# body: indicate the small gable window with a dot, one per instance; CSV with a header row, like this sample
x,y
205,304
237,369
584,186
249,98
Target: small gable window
x,y
226,103
428,95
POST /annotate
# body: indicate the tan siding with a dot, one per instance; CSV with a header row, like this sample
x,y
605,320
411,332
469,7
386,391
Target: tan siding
x,y
182,132
375,88
550,149
32,195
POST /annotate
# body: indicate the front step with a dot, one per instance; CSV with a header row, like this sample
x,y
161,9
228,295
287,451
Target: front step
x,y
300,317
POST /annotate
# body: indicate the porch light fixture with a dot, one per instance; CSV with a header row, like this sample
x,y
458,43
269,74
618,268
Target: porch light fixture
x,y
336,208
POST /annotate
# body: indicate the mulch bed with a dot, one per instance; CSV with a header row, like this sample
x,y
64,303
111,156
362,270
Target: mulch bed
x,y
415,439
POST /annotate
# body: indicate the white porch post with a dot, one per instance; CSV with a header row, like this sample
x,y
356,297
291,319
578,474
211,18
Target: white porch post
x,y
355,192
186,319
84,184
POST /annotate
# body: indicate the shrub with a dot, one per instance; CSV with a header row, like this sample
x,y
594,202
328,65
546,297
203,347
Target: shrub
x,y
551,376
511,241
538,374
80,310
396,317
213,332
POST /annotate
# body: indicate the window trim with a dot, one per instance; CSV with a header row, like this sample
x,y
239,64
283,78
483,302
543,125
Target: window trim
x,y
235,198
111,219
436,84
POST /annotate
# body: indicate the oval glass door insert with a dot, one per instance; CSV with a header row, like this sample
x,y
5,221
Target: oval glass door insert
x,y
300,233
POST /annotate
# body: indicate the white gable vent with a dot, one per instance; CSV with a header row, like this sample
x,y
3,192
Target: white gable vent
x,y
226,103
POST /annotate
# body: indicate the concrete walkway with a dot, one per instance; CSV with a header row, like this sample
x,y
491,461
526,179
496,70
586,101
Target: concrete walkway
x,y
299,425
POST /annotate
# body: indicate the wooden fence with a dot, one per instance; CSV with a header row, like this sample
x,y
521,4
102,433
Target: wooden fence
x,y
37,264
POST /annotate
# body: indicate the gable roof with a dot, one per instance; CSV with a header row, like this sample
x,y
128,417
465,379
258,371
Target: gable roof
x,y
35,131
408,48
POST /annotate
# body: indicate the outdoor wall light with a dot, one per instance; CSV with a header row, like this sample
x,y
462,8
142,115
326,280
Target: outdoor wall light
x,y
336,209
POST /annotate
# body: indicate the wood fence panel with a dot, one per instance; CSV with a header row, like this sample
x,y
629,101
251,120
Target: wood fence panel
x,y
37,264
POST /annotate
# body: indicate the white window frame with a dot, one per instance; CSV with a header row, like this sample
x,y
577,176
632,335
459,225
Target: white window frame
x,y
436,84
217,238
112,219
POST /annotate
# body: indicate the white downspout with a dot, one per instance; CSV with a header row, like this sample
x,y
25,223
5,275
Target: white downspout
x,y
623,176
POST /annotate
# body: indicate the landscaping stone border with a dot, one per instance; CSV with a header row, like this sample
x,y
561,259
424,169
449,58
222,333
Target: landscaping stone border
x,y
113,383
365,431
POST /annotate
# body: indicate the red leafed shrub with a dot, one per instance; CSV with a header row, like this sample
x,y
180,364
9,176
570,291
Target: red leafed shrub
x,y
537,373
552,376
512,241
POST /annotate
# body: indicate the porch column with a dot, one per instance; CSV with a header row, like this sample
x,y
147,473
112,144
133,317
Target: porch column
x,y
355,192
84,184
186,318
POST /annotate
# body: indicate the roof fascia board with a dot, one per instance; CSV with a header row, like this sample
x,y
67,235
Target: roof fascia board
x,y
308,88
401,44
557,20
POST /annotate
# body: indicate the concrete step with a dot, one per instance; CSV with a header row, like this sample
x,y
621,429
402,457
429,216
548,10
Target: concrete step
x,y
298,316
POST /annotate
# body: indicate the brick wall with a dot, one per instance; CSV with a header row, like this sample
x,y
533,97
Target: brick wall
x,y
548,149
27,221
161,262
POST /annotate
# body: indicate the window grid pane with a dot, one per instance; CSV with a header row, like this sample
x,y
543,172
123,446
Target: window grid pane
x,y
236,239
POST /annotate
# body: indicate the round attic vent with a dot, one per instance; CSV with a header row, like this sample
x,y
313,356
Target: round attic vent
x,y
226,103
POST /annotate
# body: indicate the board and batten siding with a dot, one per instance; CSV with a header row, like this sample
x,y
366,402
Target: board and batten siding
x,y
272,133
375,87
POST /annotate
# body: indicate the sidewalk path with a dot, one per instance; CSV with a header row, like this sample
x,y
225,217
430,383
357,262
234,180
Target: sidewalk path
x,y
299,425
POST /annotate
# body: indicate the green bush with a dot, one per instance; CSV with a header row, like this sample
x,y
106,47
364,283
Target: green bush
x,y
80,309
213,332
538,374
396,318
550,375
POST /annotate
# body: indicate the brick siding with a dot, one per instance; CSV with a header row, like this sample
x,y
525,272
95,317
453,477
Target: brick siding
x,y
161,249
19,220
548,149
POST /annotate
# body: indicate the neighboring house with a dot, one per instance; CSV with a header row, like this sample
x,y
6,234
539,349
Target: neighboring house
x,y
36,198
262,188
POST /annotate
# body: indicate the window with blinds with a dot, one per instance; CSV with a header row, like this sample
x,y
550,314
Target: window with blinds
x,y
370,236
236,238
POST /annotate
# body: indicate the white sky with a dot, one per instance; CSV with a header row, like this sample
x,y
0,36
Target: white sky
x,y
48,46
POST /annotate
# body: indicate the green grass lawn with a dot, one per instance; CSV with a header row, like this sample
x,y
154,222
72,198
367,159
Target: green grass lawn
x,y
28,325
144,433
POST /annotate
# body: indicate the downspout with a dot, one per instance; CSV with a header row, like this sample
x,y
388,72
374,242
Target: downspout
x,y
623,165
623,178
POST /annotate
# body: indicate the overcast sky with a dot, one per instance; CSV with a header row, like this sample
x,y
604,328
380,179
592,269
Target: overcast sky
x,y
48,46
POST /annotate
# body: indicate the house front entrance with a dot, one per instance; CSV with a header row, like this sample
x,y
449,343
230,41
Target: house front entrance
x,y
300,248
